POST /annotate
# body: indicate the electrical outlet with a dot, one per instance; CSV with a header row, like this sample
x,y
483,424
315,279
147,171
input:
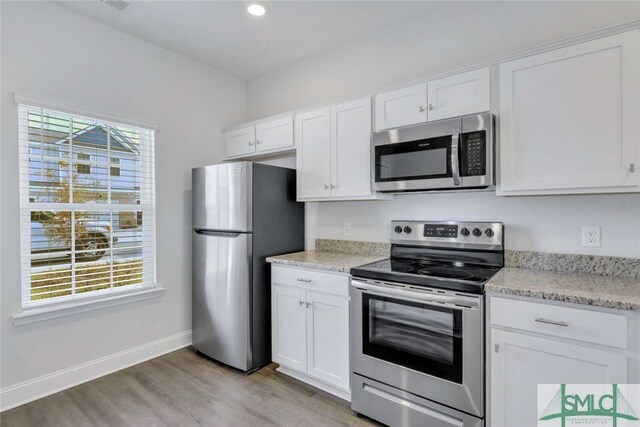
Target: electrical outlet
x,y
346,229
591,236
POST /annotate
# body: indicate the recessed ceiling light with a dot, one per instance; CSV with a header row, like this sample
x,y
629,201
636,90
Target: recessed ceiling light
x,y
256,9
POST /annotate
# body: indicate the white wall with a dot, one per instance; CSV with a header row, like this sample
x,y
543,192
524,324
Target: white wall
x,y
545,224
434,44
455,35
50,52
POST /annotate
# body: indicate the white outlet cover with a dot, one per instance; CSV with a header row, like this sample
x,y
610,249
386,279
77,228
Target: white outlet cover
x,y
591,236
346,229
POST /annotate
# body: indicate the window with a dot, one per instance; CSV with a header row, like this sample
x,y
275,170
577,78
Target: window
x,y
87,206
115,170
83,168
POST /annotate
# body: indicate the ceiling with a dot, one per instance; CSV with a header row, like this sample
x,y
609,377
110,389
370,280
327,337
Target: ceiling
x,y
223,35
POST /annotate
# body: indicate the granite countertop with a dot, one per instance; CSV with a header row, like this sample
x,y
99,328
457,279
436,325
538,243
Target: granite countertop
x,y
589,289
323,260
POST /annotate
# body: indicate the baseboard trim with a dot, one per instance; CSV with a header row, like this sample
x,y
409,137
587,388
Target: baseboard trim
x,y
345,395
37,388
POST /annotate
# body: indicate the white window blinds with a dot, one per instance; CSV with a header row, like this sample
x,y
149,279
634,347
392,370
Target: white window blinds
x,y
87,206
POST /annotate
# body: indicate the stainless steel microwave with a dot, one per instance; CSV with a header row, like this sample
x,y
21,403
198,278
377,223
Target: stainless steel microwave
x,y
448,154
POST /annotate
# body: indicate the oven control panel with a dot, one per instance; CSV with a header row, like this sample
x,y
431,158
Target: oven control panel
x,y
440,230
457,234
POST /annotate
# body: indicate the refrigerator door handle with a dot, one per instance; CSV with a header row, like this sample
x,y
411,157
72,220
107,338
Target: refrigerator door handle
x,y
218,233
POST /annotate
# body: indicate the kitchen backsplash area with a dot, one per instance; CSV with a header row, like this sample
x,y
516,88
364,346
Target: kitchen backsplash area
x,y
569,263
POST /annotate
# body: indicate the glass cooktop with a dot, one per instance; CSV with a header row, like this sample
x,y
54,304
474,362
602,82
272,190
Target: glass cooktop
x,y
433,273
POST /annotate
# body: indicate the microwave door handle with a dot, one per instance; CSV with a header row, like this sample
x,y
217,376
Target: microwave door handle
x,y
455,147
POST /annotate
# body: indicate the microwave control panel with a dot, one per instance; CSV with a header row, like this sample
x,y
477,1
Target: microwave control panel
x,y
474,153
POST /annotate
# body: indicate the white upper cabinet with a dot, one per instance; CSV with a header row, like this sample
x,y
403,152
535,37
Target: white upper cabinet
x,y
240,142
313,155
334,153
274,135
569,119
351,148
459,95
401,107
269,137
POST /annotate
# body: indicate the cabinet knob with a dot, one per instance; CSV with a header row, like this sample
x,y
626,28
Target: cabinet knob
x,y
431,107
421,109
632,168
326,187
496,347
309,304
304,280
259,141
250,143
333,186
302,303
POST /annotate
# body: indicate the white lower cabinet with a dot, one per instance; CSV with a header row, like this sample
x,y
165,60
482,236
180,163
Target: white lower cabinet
x,y
521,359
328,338
310,327
520,362
289,317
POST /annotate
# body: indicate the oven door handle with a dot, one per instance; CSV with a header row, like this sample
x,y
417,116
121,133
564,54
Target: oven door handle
x,y
455,164
460,302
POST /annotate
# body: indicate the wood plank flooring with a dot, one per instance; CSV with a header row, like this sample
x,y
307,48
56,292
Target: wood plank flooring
x,y
186,389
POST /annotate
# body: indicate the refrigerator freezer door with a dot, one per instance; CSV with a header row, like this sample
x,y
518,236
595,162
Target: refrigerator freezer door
x,y
222,296
222,197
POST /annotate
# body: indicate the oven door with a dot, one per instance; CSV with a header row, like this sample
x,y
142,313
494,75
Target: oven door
x,y
421,157
426,342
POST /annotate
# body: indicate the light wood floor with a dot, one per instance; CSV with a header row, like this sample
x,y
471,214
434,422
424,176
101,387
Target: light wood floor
x,y
185,389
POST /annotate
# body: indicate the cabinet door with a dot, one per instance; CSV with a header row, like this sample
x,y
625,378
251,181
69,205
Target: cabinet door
x,y
289,330
401,107
274,135
569,117
351,149
240,142
313,154
519,362
459,95
328,339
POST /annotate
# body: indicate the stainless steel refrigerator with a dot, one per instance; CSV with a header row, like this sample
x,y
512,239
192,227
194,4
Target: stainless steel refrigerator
x,y
242,213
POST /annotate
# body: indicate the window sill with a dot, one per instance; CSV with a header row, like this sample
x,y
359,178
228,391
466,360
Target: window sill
x,y
33,315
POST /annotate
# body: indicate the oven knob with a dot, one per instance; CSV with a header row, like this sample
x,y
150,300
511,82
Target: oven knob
x,y
464,231
398,229
407,229
477,232
489,232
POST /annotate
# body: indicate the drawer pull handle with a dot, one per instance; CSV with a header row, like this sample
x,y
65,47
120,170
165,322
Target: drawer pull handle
x,y
551,322
305,280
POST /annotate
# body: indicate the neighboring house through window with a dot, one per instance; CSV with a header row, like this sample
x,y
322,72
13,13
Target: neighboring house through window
x,y
87,200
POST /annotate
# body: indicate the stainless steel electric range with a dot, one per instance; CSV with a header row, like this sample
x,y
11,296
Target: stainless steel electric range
x,y
417,325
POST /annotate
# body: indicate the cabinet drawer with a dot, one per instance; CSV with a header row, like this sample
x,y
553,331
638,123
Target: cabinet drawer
x,y
331,283
591,326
